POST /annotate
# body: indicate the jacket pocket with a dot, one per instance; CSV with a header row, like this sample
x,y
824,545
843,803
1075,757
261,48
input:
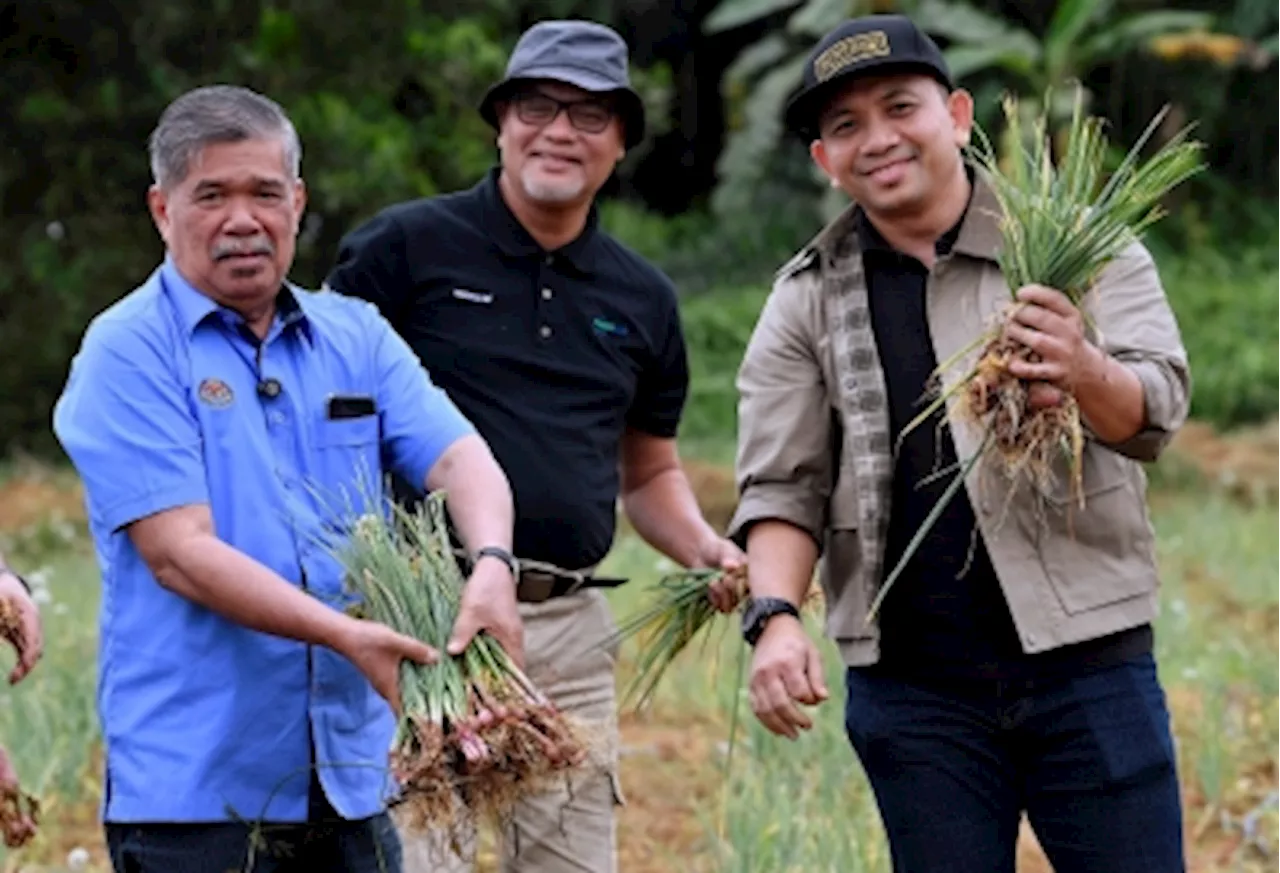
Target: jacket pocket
x,y
841,574
1102,552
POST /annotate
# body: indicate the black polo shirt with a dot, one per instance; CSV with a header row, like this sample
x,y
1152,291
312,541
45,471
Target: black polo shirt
x,y
551,355
946,615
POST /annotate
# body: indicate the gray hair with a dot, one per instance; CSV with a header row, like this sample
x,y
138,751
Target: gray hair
x,y
213,114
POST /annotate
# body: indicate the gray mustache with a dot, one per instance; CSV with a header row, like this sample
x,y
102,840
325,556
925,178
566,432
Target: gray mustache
x,y
258,246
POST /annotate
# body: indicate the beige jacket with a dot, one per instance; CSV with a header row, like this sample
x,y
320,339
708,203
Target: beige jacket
x,y
814,446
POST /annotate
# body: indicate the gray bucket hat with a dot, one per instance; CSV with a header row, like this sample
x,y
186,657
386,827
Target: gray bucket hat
x,y
585,54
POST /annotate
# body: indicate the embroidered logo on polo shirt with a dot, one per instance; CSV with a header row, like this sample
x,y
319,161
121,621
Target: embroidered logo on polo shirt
x,y
216,393
605,326
472,296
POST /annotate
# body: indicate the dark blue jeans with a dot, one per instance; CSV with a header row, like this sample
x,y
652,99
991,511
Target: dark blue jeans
x,y
325,844
1090,760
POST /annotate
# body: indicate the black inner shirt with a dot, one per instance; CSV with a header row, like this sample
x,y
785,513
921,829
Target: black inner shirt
x,y
946,614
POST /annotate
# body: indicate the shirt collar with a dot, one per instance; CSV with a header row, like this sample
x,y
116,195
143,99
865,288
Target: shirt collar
x,y
514,240
194,306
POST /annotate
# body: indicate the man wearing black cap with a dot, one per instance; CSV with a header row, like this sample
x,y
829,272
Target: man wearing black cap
x,y
565,349
1010,670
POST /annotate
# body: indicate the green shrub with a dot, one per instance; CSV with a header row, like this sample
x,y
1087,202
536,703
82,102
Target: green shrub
x,y
1227,310
717,327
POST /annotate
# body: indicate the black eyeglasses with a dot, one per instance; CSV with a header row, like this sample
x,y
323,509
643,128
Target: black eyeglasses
x,y
539,110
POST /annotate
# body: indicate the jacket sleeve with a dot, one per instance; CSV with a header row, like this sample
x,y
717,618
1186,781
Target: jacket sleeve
x,y
784,458
1136,325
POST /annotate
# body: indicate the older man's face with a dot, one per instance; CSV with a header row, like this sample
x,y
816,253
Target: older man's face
x,y
231,225
555,160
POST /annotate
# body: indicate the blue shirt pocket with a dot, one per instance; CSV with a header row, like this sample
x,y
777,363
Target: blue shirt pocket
x,y
348,460
344,432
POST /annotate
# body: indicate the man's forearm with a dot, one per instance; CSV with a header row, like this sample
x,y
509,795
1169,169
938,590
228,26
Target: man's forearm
x,y
220,578
477,493
1111,399
780,560
665,513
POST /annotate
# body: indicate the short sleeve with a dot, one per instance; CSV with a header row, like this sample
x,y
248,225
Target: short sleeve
x,y
663,386
371,265
125,422
418,419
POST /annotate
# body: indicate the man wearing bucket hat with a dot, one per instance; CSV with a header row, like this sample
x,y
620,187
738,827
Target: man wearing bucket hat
x,y
565,349
1010,670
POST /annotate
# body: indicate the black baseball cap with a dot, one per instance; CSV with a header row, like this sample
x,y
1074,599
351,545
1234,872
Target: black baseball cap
x,y
584,54
871,43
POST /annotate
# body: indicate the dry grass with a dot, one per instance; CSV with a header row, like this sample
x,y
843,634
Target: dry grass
x,y
1246,464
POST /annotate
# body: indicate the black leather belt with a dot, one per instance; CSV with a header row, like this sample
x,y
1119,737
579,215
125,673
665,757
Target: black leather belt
x,y
539,586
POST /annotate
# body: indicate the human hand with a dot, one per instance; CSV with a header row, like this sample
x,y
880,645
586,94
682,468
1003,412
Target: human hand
x,y
23,629
489,604
18,823
786,669
727,591
1051,328
377,651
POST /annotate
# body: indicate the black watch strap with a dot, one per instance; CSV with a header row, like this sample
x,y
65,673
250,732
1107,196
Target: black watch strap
x,y
502,555
758,613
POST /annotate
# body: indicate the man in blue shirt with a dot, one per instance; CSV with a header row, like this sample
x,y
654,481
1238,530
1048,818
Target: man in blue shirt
x,y
215,415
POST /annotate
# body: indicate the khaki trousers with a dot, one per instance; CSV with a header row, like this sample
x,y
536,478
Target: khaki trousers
x,y
570,829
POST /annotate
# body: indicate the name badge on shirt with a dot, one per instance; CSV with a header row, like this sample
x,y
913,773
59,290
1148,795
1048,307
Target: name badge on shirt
x,y
472,296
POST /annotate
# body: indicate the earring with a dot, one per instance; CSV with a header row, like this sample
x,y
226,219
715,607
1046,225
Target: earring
x,y
835,183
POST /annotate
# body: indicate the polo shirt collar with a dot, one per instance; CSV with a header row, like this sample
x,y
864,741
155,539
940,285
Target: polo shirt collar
x,y
194,306
514,240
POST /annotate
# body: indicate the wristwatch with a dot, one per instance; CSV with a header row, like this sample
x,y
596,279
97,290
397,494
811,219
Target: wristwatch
x,y
502,555
758,612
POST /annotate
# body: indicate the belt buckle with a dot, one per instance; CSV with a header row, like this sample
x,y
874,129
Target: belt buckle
x,y
534,587
539,586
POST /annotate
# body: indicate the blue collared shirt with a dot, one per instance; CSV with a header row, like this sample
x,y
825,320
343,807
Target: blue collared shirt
x,y
204,719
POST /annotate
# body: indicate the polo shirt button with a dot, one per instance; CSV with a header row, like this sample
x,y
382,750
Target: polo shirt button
x,y
551,259
545,331
546,293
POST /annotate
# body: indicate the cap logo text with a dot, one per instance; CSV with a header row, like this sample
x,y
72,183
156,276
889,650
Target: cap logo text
x,y
850,50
